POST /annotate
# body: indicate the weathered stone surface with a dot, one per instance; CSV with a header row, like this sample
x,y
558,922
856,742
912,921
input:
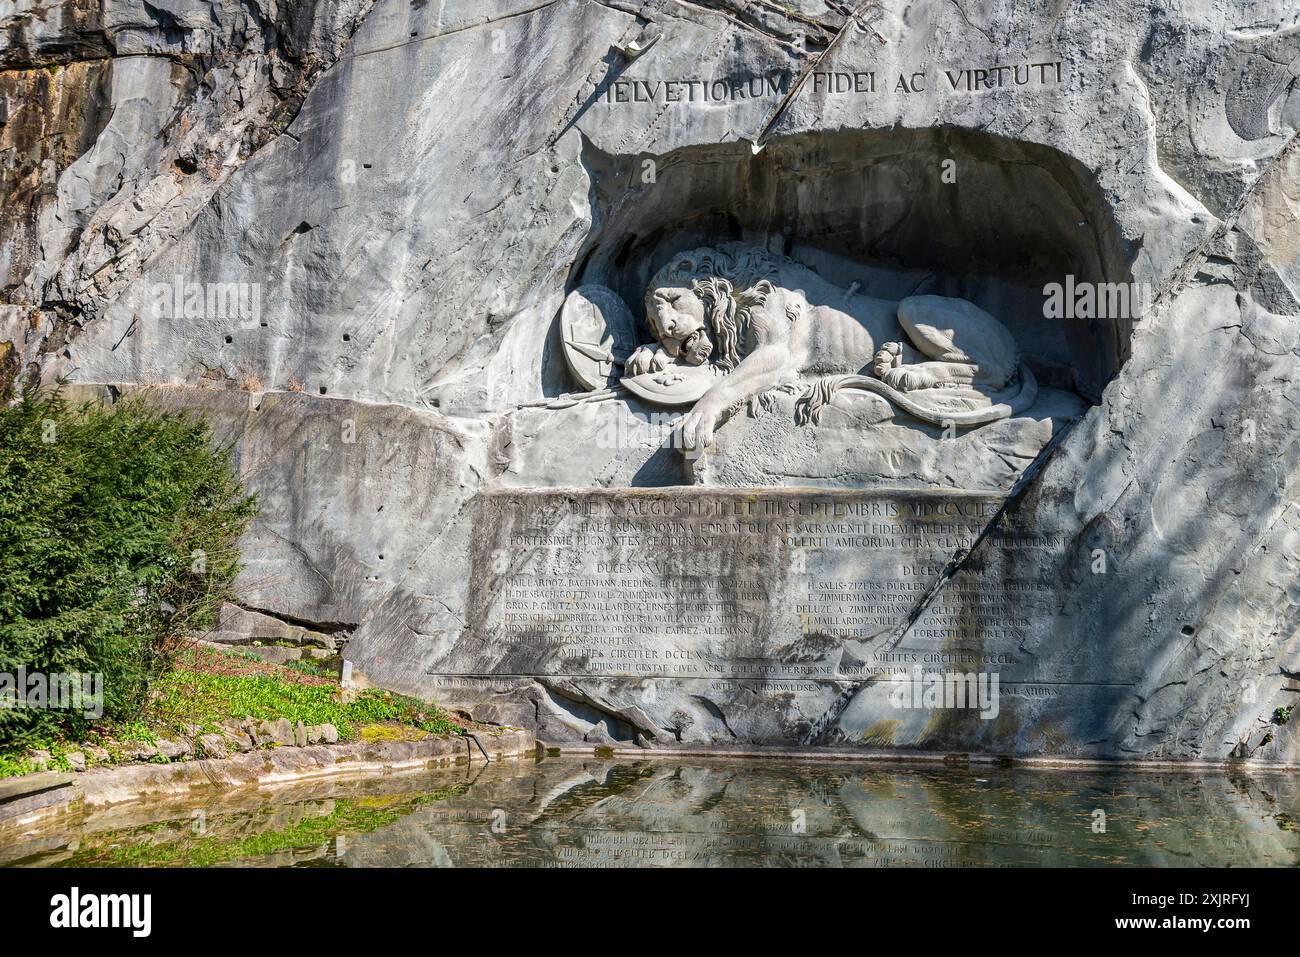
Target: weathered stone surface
x,y
240,734
332,539
137,782
853,446
391,373
34,796
28,784
743,617
175,750
242,626
140,751
176,100
277,732
214,745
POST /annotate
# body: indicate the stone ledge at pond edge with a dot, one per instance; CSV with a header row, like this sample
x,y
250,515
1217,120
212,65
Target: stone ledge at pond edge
x,y
35,796
29,798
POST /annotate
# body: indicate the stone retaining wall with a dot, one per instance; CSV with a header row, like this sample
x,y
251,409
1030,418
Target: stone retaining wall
x,y
32,798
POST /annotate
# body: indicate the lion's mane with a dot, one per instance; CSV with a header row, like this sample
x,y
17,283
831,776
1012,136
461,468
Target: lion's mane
x,y
715,273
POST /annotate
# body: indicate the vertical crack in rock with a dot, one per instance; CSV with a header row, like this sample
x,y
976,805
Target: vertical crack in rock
x,y
850,22
441,34
1186,271
955,563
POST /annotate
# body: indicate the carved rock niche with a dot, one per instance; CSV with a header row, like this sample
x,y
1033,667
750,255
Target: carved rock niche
x,y
881,214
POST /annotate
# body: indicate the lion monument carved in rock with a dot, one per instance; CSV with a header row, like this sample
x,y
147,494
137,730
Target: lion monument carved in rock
x,y
732,321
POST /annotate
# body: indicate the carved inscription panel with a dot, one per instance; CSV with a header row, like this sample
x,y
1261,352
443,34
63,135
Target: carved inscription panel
x,y
772,584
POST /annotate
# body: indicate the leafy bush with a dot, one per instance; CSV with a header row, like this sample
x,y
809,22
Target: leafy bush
x,y
118,535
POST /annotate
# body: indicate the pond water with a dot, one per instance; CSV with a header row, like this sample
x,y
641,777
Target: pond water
x,y
581,811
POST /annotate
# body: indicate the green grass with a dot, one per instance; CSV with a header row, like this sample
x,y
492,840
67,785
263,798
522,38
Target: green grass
x,y
311,666
192,695
16,763
13,765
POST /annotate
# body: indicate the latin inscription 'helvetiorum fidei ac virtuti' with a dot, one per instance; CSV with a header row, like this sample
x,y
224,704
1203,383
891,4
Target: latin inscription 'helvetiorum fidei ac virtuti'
x,y
772,584
961,80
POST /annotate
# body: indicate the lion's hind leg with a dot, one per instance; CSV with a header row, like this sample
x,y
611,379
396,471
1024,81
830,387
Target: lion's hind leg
x,y
979,348
930,375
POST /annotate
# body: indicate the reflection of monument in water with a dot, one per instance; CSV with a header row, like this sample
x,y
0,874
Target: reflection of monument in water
x,y
670,812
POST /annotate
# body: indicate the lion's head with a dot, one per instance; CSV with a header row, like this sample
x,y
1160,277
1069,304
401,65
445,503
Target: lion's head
x,y
695,295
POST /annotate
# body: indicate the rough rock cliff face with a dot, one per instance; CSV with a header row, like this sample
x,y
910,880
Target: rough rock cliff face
x,y
382,205
122,120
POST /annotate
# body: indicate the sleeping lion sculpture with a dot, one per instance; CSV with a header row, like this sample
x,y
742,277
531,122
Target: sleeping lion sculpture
x,y
739,321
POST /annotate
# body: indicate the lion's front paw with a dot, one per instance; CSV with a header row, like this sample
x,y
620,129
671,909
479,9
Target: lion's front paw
x,y
648,358
889,357
697,430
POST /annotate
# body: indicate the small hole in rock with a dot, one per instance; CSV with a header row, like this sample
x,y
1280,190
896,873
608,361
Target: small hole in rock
x,y
229,339
346,337
322,390
1188,630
